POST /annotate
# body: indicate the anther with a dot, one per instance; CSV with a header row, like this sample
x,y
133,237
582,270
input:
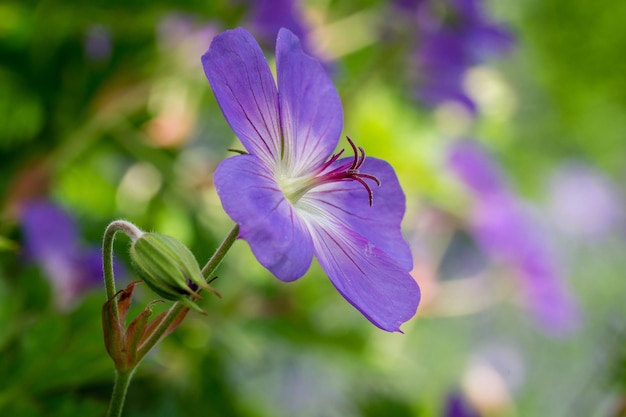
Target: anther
x,y
348,171
354,174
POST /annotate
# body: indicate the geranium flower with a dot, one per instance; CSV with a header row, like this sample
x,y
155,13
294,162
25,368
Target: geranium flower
x,y
291,197
503,229
97,43
583,203
52,240
267,17
454,35
456,405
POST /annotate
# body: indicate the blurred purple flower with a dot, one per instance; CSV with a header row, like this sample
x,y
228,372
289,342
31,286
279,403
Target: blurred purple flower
x,y
185,31
502,228
469,162
583,202
452,38
291,198
457,406
98,43
180,35
268,16
51,239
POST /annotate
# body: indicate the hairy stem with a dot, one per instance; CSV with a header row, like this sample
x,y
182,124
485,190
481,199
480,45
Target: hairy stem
x,y
220,253
122,378
107,254
122,381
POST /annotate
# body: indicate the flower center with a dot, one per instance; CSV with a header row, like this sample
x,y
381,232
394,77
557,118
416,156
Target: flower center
x,y
295,188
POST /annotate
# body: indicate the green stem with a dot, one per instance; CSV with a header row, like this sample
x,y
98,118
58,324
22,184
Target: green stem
x,y
220,253
107,255
122,380
178,307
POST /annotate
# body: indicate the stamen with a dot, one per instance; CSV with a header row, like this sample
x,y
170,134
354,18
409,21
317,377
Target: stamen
x,y
370,194
347,171
362,157
370,177
355,164
352,173
330,161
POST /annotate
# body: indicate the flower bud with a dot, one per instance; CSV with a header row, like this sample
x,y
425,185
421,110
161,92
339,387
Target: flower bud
x,y
168,268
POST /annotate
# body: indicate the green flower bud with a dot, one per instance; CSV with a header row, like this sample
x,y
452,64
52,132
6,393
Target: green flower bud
x,y
168,268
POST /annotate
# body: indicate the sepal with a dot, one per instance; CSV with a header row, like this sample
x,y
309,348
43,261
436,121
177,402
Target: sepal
x,y
127,346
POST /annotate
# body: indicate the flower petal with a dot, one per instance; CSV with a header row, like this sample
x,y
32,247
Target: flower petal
x,y
310,109
245,90
366,276
277,236
348,203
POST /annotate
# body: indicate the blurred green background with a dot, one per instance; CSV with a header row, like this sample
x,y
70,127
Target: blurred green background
x,y
105,111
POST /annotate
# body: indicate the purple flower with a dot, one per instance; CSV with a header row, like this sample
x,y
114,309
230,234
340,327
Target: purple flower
x,y
51,239
474,167
98,43
453,38
442,63
291,198
184,33
457,406
584,203
268,16
504,230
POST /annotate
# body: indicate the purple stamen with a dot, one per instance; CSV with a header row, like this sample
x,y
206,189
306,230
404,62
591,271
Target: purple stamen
x,y
355,164
350,172
331,161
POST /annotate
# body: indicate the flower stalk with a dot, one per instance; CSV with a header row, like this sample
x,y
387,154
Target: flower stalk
x,y
120,388
107,254
128,346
